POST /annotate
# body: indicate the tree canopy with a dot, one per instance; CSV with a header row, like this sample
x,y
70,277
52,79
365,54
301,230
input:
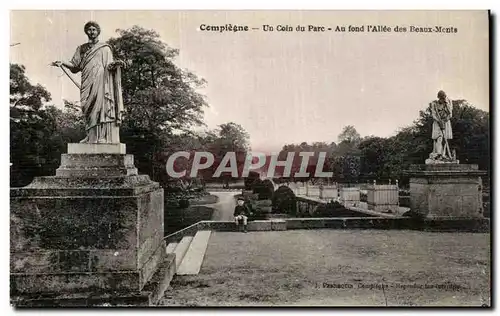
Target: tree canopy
x,y
161,99
383,158
349,134
164,104
35,143
160,96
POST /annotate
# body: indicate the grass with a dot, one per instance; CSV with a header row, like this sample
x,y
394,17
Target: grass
x,y
306,267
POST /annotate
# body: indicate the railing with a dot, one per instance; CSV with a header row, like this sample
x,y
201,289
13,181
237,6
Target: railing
x,y
350,196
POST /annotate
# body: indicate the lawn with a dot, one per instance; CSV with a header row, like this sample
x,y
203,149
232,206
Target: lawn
x,y
339,268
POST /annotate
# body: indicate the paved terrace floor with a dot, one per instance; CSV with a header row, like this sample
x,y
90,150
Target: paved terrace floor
x,y
306,267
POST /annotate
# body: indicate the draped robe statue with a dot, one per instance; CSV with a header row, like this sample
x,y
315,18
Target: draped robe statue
x,y
100,92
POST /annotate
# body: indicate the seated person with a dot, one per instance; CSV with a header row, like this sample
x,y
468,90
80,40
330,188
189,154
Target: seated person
x,y
241,214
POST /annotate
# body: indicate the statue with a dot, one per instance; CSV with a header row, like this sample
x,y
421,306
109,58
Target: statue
x,y
100,89
441,111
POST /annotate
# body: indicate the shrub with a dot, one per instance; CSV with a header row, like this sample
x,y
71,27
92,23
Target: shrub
x,y
264,189
249,181
321,211
267,190
284,201
256,186
404,201
334,205
329,209
184,203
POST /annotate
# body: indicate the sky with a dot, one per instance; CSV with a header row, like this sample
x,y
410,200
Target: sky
x,y
287,87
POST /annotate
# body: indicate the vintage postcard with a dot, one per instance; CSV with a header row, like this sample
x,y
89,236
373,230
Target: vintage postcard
x,y
250,158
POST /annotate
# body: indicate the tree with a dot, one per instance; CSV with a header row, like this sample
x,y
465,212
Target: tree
x,y
160,98
471,134
349,135
70,123
159,95
31,128
345,168
22,93
316,148
38,132
375,153
229,137
232,137
388,158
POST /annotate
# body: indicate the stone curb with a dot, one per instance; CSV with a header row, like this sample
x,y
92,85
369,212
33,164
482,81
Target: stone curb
x,y
479,225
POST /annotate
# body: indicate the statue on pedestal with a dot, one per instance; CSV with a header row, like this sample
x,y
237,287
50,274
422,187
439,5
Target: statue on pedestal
x,y
441,111
100,89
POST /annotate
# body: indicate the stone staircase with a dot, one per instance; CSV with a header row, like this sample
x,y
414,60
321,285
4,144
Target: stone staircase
x,y
190,252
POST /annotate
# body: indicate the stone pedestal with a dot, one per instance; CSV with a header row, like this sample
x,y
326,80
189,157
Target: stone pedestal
x,y
96,149
446,190
91,235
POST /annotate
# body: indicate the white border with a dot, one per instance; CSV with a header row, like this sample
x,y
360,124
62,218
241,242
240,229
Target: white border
x,y
188,5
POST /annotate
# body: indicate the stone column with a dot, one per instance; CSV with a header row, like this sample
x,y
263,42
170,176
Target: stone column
x,y
90,235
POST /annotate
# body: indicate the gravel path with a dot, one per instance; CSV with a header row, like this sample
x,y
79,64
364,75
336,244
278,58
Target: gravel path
x,y
224,208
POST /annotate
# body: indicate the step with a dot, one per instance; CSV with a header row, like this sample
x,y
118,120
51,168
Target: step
x,y
181,249
171,247
191,264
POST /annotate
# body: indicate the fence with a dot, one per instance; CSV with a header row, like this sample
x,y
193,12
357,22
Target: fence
x,y
350,196
383,197
327,192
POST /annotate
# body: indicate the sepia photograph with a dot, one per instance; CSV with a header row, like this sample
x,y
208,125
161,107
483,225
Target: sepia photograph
x,y
250,158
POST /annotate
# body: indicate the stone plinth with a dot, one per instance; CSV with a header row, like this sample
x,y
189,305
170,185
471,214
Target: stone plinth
x,y
96,165
446,190
92,234
78,148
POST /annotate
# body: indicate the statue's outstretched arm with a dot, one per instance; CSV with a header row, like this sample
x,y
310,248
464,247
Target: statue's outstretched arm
x,y
70,66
